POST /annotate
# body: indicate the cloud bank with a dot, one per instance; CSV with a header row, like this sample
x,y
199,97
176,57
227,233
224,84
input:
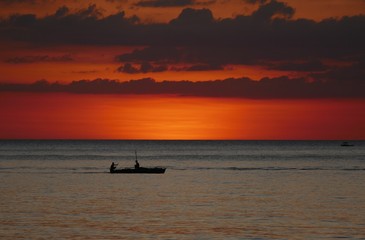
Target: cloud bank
x,y
270,37
269,33
164,3
266,88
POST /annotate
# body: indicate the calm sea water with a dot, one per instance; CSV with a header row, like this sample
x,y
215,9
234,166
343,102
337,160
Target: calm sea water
x,y
211,190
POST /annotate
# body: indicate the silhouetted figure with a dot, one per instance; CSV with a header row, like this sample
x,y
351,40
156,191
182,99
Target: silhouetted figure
x,y
136,166
113,167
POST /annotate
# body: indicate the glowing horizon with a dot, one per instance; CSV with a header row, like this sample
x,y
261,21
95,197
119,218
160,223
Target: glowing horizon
x,y
50,116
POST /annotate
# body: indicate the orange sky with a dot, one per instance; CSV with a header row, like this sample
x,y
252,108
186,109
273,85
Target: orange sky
x,y
70,116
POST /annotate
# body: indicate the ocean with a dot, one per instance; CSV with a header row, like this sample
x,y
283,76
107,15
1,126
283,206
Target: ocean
x,y
62,189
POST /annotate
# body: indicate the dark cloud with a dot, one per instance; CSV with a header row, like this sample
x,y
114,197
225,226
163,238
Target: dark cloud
x,y
128,68
164,3
172,3
195,36
267,34
62,12
149,68
255,1
352,76
192,16
199,67
266,88
205,3
91,11
154,54
9,2
308,66
145,67
117,1
41,58
273,9
86,26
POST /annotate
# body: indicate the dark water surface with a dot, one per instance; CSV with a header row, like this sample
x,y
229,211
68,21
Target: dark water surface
x,y
211,190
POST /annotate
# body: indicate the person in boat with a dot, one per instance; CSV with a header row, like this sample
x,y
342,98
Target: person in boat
x,y
113,166
136,166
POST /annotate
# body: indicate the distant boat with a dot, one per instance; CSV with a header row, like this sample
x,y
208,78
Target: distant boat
x,y
347,144
155,170
137,169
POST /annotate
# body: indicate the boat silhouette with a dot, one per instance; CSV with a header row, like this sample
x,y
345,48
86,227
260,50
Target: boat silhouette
x,y
346,144
155,170
137,169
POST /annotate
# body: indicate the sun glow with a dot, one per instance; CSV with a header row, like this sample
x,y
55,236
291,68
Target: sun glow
x,y
72,116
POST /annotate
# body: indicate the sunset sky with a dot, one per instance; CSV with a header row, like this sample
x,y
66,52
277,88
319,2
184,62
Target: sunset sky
x,y
182,69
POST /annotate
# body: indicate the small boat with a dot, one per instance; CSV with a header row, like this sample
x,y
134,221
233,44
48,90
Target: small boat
x,y
137,169
346,144
155,170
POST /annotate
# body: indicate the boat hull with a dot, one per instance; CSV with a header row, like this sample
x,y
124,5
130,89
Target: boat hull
x,y
140,170
346,144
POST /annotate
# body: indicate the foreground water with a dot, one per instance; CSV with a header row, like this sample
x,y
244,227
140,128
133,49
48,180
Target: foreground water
x,y
211,190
